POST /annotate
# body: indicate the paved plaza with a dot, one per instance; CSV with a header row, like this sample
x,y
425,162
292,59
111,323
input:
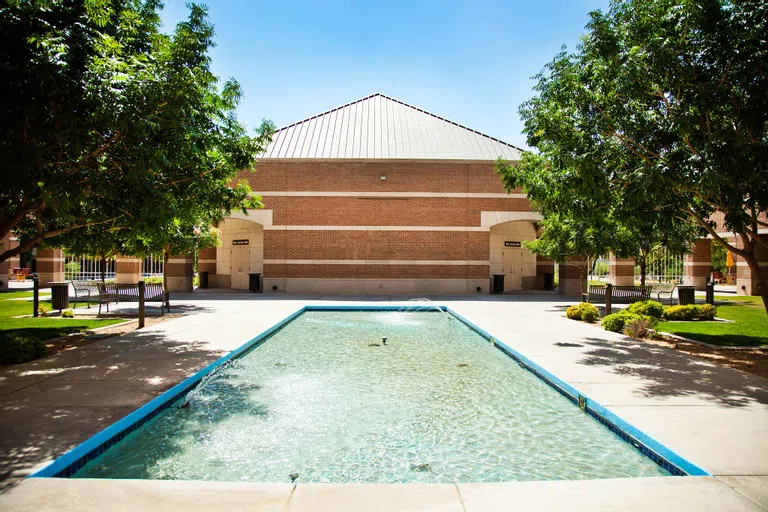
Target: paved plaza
x,y
712,415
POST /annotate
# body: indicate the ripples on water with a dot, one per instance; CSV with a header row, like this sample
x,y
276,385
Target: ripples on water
x,y
323,400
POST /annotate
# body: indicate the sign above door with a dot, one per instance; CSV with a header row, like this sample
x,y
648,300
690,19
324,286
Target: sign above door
x,y
240,242
512,244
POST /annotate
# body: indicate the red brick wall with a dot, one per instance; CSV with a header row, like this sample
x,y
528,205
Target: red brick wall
x,y
364,176
376,245
387,211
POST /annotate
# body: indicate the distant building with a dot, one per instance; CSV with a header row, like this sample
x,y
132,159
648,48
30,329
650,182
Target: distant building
x,y
378,196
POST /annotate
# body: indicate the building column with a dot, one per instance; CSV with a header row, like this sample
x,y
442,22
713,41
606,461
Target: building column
x,y
570,276
178,272
206,262
6,267
621,271
746,281
127,269
50,266
544,267
697,266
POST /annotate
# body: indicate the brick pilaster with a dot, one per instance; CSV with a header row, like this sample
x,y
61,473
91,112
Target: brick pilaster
x,y
178,272
697,266
570,276
50,266
621,271
127,269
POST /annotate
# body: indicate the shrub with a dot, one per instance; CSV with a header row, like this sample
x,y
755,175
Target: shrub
x,y
573,312
19,347
68,313
589,313
707,312
616,321
689,312
584,311
153,280
647,308
640,327
72,267
42,310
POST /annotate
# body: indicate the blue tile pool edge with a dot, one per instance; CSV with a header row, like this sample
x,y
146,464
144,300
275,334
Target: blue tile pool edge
x,y
644,443
73,460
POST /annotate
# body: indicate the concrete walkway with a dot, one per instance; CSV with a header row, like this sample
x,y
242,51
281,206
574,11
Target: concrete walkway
x,y
714,416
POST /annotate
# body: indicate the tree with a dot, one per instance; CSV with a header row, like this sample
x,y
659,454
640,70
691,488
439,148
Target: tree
x,y
668,98
110,123
573,241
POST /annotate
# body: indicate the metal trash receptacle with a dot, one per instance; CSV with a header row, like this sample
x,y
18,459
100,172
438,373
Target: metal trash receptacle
x,y
498,283
254,283
686,295
202,279
59,295
711,293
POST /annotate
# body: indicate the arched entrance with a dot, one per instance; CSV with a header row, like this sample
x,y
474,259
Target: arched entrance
x,y
240,254
509,257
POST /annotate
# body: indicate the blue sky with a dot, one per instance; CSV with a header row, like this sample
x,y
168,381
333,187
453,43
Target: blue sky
x,y
470,61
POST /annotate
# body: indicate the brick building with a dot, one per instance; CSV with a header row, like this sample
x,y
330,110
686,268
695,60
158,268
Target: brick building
x,y
378,196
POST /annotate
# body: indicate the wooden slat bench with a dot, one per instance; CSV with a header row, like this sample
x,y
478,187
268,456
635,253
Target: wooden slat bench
x,y
619,294
130,293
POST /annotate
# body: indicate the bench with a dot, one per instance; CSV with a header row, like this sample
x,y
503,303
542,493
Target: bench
x,y
619,294
667,289
130,293
84,289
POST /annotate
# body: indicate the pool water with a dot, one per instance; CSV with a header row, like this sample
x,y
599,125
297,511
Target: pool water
x,y
324,400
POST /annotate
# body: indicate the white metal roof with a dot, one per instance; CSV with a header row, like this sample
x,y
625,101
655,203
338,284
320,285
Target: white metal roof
x,y
378,126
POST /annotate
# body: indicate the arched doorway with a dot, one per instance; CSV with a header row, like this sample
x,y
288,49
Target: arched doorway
x,y
509,257
240,254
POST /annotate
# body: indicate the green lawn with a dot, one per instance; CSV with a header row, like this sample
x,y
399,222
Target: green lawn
x,y
750,326
42,328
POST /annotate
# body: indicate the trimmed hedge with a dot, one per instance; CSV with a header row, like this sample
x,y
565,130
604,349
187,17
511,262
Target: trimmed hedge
x,y
19,347
647,308
584,311
690,312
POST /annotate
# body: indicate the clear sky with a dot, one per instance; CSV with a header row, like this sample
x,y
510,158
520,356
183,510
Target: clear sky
x,y
468,61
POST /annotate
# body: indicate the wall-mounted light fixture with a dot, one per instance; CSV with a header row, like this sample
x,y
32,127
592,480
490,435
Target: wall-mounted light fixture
x,y
383,178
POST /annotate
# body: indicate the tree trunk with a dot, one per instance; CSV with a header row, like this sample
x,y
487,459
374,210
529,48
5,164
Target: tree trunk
x,y
762,277
103,266
643,266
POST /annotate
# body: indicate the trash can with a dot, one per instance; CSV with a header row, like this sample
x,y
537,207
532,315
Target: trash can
x,y
59,295
686,295
254,283
202,279
498,283
711,293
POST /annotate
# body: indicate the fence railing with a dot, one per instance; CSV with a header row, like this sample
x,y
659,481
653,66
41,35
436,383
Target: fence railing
x,y
83,268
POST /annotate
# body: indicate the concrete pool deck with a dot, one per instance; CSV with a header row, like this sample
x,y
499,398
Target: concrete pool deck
x,y
712,415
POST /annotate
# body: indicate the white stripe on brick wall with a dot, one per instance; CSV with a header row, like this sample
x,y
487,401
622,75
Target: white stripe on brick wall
x,y
199,260
180,260
622,263
379,262
745,264
696,263
49,259
377,228
391,194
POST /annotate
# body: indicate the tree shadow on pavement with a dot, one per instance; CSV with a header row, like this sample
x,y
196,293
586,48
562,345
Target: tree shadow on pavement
x,y
670,374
